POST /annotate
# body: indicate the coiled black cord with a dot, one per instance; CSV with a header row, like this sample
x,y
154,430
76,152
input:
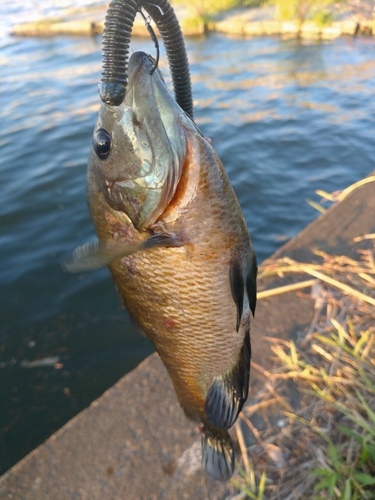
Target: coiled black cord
x,y
116,39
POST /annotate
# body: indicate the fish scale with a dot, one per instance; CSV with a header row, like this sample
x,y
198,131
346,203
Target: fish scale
x,y
205,318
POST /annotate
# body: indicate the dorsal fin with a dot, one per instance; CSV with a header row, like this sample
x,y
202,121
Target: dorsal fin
x,y
228,392
251,283
237,286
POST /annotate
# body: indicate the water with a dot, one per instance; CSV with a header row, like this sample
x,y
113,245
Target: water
x,y
286,118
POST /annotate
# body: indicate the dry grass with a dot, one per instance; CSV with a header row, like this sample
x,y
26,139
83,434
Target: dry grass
x,y
325,449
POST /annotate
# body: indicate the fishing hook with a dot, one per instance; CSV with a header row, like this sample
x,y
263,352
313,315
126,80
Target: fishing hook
x,y
156,7
153,36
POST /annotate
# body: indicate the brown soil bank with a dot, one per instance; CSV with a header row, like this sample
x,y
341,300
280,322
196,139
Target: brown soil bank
x,y
134,442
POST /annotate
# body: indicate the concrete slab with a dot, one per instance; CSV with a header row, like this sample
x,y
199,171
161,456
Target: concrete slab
x,y
134,442
91,22
129,444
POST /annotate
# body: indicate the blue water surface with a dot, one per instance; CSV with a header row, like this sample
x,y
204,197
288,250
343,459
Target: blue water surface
x,y
286,117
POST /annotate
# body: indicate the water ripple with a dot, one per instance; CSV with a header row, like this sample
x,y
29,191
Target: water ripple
x,y
285,117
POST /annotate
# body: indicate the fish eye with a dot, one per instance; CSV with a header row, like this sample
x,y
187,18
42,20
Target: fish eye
x,y
101,142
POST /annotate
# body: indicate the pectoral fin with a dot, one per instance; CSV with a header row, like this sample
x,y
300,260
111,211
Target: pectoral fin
x,y
228,392
243,276
251,283
237,286
95,255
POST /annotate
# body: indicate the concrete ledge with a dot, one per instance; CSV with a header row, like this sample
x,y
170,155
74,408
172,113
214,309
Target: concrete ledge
x,y
128,444
134,442
255,22
92,23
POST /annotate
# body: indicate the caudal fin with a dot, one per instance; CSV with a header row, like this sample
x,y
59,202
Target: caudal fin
x,y
217,453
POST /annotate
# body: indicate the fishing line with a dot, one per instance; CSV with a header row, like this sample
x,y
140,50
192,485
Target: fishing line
x,y
153,36
156,6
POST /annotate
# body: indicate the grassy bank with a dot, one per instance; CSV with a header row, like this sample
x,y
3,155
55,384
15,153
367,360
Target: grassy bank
x,y
326,448
302,17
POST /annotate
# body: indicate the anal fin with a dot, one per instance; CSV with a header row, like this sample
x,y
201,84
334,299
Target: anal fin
x,y
217,453
228,392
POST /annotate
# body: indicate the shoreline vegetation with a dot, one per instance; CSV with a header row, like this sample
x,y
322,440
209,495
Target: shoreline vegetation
x,y
325,448
304,18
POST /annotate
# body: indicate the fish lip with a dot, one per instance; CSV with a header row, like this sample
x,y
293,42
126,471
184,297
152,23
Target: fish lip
x,y
137,60
140,75
142,72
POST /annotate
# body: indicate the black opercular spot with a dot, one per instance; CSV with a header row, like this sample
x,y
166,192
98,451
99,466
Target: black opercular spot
x,y
101,142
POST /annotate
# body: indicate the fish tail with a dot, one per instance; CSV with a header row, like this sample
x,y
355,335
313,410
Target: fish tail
x,y
217,453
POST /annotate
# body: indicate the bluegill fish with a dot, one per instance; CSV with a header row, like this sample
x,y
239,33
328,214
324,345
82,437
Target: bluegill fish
x,y
172,231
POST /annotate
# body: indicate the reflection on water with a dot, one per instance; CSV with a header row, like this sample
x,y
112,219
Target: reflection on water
x,y
285,117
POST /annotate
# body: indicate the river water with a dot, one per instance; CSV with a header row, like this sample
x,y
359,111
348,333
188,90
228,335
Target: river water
x,y
286,117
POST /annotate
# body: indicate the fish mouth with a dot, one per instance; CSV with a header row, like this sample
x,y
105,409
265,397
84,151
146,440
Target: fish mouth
x,y
143,85
152,108
151,125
